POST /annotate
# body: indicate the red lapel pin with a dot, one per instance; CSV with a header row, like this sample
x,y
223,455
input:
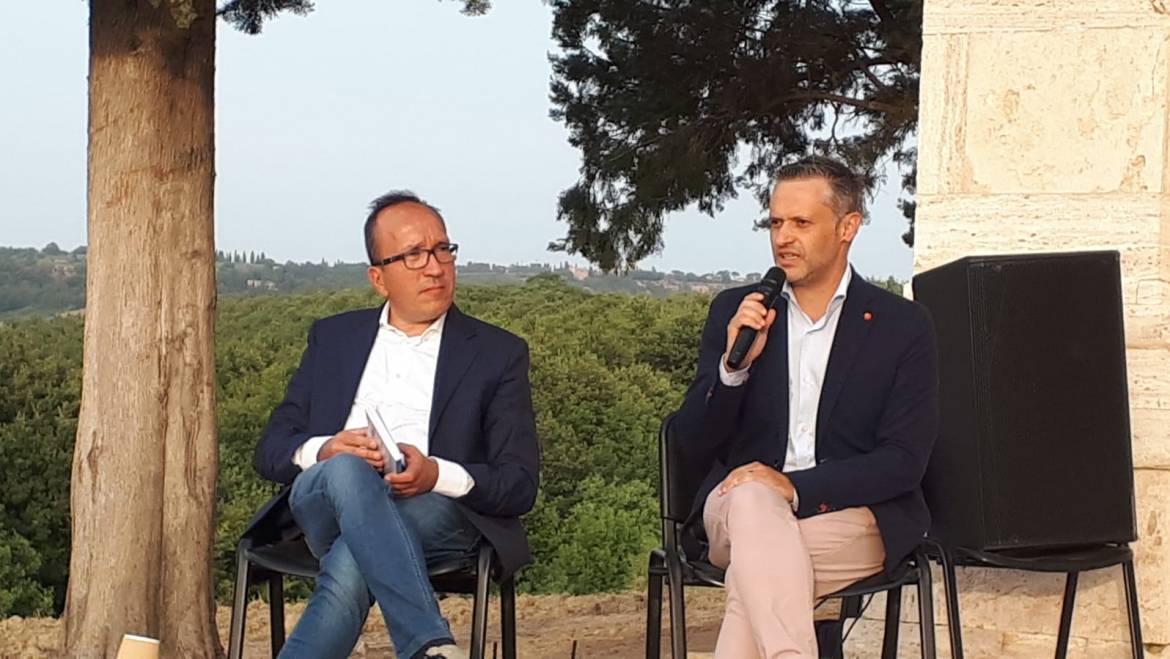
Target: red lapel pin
x,y
867,315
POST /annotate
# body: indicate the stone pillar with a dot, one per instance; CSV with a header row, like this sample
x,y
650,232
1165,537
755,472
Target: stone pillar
x,y
1044,128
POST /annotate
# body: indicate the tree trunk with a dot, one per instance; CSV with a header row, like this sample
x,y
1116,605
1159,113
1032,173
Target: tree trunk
x,y
144,468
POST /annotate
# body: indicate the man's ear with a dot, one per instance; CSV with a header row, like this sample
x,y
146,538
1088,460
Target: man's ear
x,y
850,224
375,276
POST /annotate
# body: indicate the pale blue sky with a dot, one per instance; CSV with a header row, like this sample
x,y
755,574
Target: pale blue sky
x,y
321,113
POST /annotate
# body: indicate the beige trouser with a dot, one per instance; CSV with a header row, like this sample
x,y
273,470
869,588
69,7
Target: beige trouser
x,y
777,566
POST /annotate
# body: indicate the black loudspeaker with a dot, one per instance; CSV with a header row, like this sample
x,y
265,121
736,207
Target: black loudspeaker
x,y
1034,444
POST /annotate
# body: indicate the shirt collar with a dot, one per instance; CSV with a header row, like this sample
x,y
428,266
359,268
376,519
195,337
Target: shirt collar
x,y
842,287
435,328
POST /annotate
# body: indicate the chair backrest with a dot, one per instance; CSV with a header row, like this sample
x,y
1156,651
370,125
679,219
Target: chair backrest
x,y
273,522
680,480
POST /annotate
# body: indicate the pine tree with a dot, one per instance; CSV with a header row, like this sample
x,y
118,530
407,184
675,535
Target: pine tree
x,y
662,97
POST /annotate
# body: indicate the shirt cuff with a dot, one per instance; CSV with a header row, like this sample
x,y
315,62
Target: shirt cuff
x,y
795,500
731,378
306,454
453,481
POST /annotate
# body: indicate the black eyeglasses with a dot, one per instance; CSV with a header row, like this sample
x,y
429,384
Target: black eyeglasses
x,y
417,258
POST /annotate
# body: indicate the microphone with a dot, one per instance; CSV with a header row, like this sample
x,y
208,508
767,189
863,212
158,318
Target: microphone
x,y
770,286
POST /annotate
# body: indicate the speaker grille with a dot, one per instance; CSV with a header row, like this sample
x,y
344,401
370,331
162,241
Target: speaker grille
x,y
1050,459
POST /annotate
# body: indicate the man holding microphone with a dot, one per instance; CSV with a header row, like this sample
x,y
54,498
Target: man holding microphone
x,y
819,434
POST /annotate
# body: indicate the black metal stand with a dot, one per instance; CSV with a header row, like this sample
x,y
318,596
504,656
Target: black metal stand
x,y
1069,561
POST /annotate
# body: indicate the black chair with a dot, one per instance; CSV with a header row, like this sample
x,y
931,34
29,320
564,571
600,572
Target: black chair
x,y
272,546
670,564
1071,561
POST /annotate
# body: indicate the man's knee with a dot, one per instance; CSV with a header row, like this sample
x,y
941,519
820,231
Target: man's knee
x,y
346,472
756,503
344,464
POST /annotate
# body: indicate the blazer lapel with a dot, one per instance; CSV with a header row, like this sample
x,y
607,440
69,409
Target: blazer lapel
x,y
852,329
772,370
456,354
353,362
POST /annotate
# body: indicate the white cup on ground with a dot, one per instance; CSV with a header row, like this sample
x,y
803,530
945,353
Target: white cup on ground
x,y
138,647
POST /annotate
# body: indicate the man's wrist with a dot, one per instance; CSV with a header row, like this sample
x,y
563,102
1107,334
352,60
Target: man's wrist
x,y
452,479
731,378
309,453
789,490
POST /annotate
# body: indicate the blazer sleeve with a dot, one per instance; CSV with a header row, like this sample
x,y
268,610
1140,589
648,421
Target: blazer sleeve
x,y
905,436
506,482
707,421
287,426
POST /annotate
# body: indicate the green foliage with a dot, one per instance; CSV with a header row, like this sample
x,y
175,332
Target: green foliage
x,y
605,370
662,97
40,368
23,593
600,544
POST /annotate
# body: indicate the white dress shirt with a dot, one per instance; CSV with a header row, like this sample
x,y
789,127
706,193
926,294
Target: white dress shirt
x,y
809,345
399,381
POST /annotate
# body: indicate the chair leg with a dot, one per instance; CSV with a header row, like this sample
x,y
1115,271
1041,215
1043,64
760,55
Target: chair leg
x,y
678,612
893,619
654,576
830,643
508,617
239,602
951,591
851,607
926,606
276,611
479,610
1131,608
1066,614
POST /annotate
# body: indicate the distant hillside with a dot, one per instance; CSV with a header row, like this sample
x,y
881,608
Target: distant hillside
x,y
50,280
254,273
41,282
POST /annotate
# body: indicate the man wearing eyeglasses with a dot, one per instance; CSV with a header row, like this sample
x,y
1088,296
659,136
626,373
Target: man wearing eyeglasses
x,y
453,395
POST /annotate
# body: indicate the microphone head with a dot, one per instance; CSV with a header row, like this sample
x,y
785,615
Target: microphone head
x,y
771,284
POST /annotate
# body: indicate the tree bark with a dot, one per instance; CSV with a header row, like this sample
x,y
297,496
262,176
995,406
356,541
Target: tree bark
x,y
145,463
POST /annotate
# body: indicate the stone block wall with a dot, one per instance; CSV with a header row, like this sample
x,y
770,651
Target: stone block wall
x,y
1044,127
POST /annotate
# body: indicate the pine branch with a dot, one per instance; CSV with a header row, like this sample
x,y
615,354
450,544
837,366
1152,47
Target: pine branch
x,y
861,104
883,13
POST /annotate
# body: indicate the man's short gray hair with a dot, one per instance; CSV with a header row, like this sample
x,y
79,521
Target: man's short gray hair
x,y
848,188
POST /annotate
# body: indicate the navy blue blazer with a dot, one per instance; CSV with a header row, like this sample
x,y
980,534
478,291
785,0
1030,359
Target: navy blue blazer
x,y
876,422
481,415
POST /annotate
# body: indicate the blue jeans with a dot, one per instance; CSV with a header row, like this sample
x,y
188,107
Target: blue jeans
x,y
372,546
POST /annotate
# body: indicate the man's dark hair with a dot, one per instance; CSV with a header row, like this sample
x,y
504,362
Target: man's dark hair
x,y
389,200
848,188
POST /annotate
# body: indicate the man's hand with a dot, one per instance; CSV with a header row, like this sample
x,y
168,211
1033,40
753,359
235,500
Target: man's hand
x,y
751,314
759,473
420,475
356,441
